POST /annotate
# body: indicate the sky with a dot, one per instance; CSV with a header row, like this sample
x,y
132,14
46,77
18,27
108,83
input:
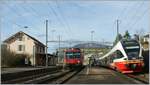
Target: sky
x,y
74,19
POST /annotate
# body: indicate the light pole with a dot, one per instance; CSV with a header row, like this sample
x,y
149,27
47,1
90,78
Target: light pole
x,y
118,21
46,42
58,48
117,27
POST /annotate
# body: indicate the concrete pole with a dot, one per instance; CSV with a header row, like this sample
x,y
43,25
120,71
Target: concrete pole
x,y
58,48
117,28
46,42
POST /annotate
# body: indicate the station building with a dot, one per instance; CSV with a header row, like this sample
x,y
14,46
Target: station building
x,y
22,43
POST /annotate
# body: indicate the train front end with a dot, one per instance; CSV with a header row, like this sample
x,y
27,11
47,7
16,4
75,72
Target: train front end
x,y
134,61
73,57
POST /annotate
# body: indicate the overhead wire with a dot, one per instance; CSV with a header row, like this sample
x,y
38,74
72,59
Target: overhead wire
x,y
38,17
18,14
56,15
122,12
135,14
122,17
139,18
14,11
64,18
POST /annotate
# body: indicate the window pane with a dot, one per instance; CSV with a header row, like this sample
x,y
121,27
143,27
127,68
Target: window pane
x,y
119,54
19,47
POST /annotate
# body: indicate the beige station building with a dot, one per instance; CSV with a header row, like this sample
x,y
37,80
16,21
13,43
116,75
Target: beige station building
x,y
22,43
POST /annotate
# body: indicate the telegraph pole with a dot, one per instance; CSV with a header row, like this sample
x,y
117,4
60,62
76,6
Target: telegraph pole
x,y
46,42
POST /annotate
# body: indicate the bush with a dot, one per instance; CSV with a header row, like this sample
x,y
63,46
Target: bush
x,y
11,59
18,60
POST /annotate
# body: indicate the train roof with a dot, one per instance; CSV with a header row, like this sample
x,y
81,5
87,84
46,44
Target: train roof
x,y
72,49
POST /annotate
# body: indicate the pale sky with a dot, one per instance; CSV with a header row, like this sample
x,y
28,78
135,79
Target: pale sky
x,y
75,19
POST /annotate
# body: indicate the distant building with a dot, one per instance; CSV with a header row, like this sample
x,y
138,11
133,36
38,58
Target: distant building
x,y
22,43
94,48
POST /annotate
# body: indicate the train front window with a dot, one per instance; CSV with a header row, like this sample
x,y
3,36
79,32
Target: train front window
x,y
132,53
71,55
130,43
77,55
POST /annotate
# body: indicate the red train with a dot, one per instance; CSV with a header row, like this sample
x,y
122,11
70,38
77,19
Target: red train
x,y
73,57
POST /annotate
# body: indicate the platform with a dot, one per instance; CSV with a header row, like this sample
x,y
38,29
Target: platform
x,y
21,69
99,75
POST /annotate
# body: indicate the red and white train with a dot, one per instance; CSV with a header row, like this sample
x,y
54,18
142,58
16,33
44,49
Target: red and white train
x,y
124,57
73,57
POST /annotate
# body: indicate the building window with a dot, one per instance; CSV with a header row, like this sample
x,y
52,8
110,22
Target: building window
x,y
21,47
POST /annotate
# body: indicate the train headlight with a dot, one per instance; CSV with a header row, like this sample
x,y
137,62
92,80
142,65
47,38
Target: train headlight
x,y
78,61
142,64
133,66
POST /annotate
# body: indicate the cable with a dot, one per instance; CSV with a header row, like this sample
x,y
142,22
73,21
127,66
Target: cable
x,y
137,19
56,15
123,11
63,17
11,8
135,14
22,15
39,16
36,17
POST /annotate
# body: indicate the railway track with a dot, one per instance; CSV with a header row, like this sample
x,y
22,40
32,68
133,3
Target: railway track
x,y
55,77
134,77
141,79
26,78
64,78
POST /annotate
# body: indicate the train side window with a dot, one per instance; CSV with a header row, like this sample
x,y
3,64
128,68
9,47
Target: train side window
x,y
119,54
114,55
